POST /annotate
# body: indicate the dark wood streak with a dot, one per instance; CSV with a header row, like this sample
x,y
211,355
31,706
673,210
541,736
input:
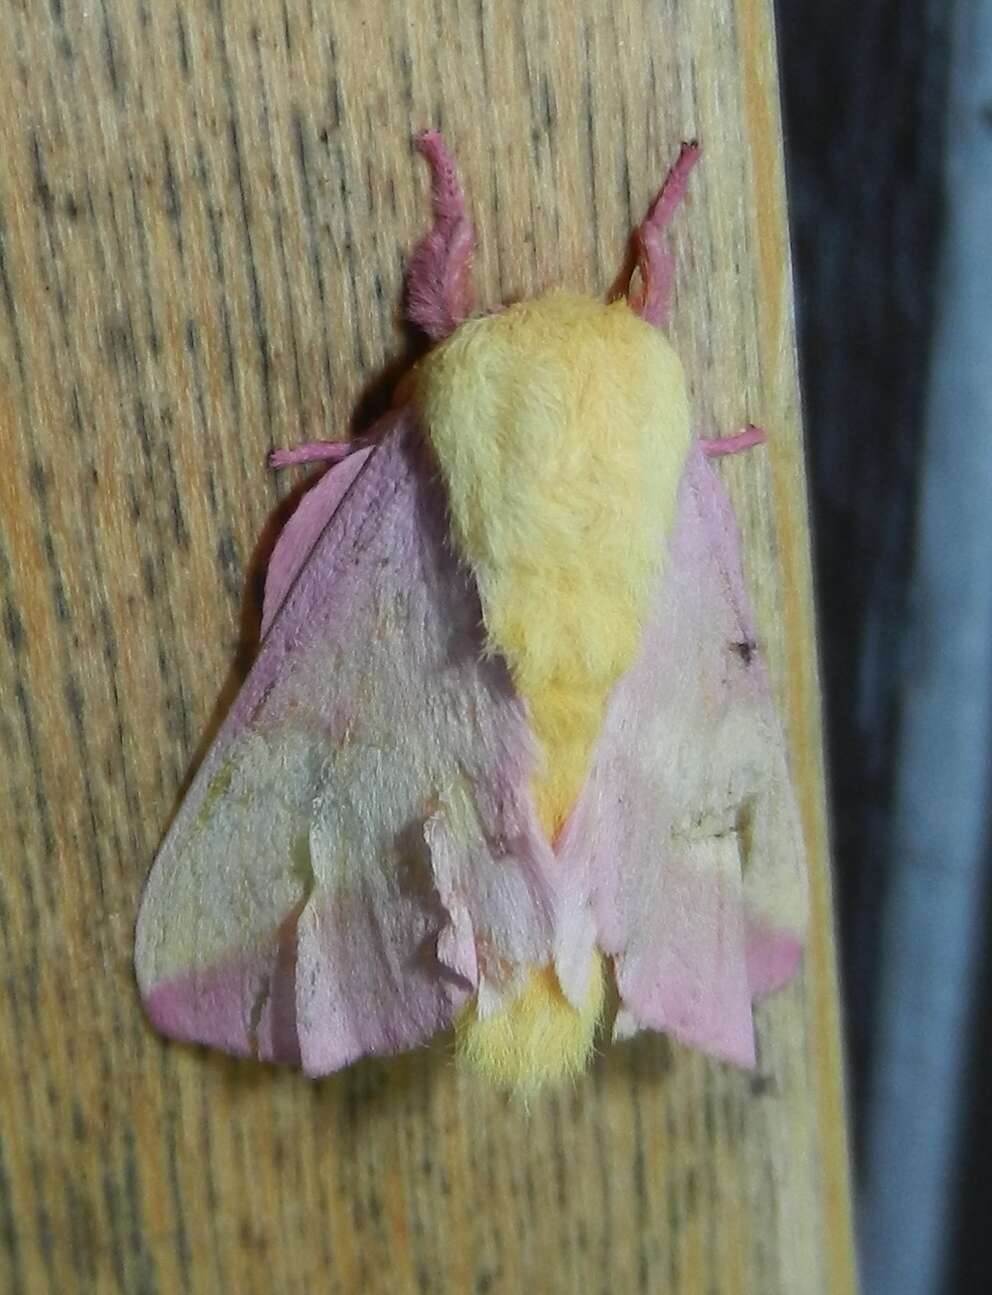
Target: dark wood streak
x,y
81,1230
173,203
345,251
639,1180
14,626
234,133
139,225
299,139
277,211
153,565
182,43
217,249
8,301
110,54
589,101
43,1225
36,479
212,1196
203,215
41,807
114,1212
75,707
141,1267
9,1232
203,422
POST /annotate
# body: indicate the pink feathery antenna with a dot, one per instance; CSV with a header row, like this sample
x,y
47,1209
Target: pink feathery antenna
x,y
655,261
439,291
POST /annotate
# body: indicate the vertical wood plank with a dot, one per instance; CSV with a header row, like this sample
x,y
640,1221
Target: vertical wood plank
x,y
204,214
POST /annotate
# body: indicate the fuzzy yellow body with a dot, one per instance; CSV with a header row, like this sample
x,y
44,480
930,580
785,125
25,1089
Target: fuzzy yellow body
x,y
561,427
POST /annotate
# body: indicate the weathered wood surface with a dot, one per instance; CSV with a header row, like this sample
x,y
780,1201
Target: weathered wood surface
x,y
204,211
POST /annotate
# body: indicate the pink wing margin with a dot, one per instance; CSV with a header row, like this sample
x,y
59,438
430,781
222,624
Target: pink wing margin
x,y
686,844
353,837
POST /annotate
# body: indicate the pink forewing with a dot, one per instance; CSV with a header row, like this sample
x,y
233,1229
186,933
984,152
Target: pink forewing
x,y
365,810
305,528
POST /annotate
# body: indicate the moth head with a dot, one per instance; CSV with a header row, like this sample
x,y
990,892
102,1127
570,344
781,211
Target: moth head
x,y
557,372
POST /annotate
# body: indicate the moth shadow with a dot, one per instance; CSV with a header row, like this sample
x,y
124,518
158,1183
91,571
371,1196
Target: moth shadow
x,y
374,400
377,395
622,280
646,1058
249,629
645,1061
373,1085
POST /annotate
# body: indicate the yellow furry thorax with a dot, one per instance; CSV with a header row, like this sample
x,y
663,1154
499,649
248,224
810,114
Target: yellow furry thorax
x,y
560,427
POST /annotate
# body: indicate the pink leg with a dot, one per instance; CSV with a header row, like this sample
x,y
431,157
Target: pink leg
x,y
654,260
316,452
439,293
715,446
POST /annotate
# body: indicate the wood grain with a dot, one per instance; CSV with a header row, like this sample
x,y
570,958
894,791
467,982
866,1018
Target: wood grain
x,y
204,212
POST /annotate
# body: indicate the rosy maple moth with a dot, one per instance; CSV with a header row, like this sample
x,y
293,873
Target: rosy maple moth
x,y
508,761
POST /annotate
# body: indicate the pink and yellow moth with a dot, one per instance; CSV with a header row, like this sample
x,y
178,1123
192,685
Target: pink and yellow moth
x,y
508,760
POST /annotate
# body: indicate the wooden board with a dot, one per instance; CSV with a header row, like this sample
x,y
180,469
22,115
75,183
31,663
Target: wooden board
x,y
204,213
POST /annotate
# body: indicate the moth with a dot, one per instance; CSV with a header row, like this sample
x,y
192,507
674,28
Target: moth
x,y
508,760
